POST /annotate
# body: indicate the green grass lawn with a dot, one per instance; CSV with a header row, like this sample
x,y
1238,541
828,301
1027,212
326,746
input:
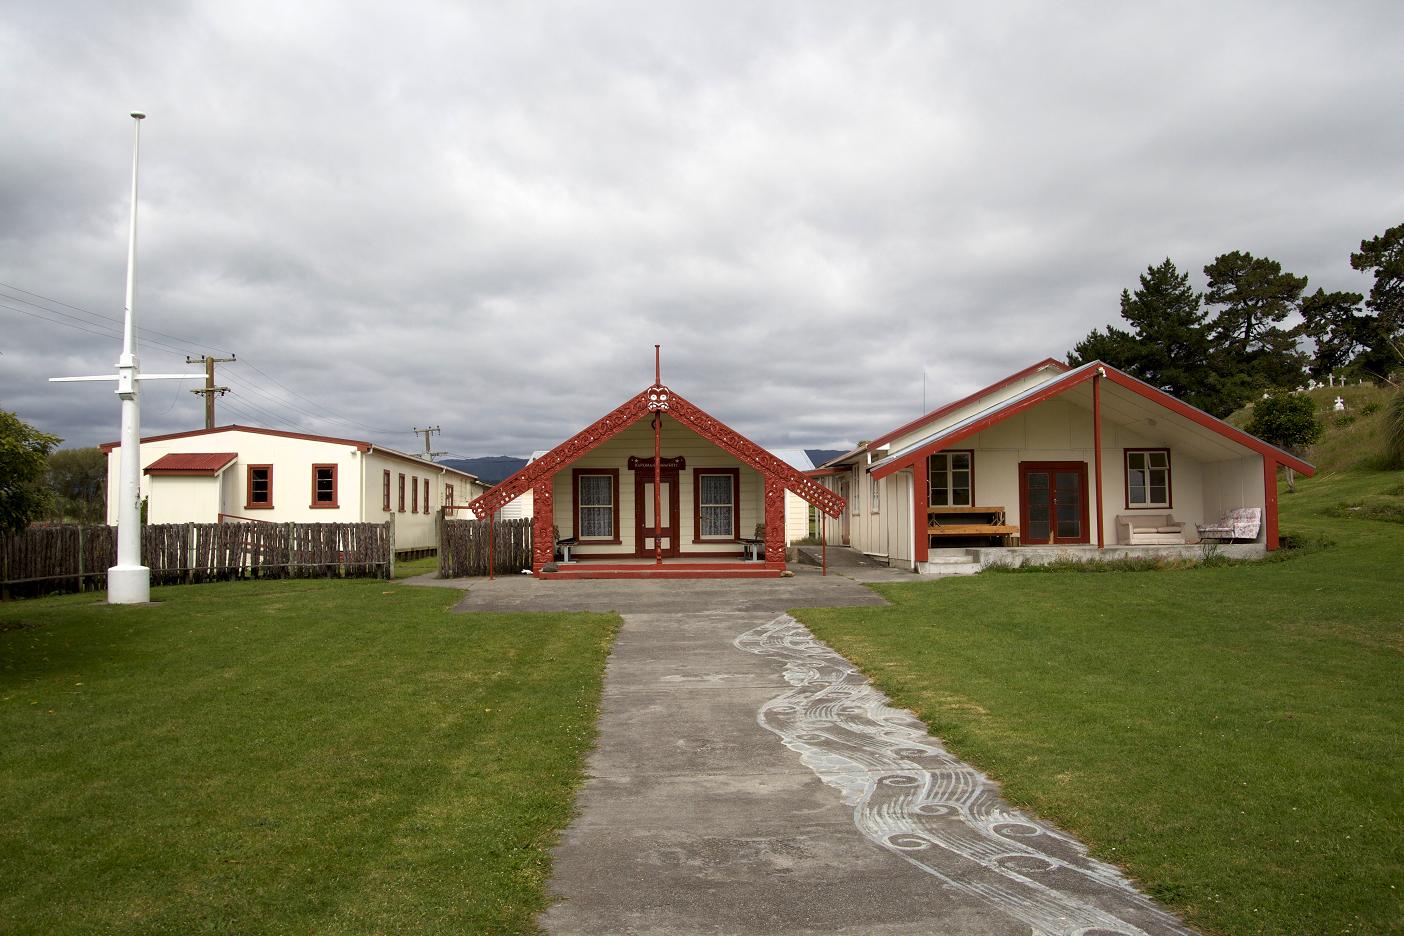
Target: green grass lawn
x,y
278,757
1234,737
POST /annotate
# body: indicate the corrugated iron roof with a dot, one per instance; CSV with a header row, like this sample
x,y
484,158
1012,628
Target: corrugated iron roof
x,y
192,463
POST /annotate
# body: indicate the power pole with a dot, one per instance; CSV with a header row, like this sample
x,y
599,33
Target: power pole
x,y
431,431
209,390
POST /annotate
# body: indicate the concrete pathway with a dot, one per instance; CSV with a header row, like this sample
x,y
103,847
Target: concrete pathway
x,y
750,780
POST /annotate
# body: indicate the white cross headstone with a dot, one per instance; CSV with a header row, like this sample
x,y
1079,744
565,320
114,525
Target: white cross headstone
x,y
1339,405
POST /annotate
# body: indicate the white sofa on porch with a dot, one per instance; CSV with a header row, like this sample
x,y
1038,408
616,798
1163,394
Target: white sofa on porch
x,y
1157,529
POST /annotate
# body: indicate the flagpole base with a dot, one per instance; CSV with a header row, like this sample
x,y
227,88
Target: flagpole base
x,y
128,585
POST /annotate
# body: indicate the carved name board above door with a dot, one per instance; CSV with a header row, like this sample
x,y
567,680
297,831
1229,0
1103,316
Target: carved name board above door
x,y
641,462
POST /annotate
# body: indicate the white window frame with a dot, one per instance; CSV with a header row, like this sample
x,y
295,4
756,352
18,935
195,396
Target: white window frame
x,y
949,472
1148,484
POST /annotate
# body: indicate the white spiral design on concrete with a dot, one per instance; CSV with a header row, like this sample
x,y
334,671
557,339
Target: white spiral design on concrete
x,y
911,797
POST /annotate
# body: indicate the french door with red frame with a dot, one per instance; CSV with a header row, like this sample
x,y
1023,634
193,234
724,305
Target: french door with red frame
x,y
643,513
1052,503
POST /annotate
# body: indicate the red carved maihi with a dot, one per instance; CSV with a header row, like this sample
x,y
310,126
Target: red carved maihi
x,y
654,399
734,443
598,432
543,530
774,523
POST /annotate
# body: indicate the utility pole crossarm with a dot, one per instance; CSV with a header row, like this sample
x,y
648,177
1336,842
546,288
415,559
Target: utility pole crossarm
x,y
209,391
430,431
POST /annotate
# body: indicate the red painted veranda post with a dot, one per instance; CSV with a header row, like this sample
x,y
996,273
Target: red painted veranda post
x,y
658,463
1097,452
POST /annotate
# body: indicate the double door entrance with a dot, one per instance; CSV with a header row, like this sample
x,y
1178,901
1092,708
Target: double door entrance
x,y
1053,503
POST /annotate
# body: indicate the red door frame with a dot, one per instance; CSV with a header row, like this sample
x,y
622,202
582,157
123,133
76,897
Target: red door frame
x,y
1051,466
642,478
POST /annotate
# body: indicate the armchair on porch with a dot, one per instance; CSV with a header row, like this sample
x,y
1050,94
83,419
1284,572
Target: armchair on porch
x,y
754,549
1241,523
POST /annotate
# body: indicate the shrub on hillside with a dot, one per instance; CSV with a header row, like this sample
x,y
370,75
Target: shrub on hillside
x,y
1394,432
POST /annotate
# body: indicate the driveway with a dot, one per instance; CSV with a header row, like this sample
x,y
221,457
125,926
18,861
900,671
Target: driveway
x,y
749,780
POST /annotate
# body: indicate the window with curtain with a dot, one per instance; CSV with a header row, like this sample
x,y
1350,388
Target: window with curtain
x,y
716,505
596,520
1147,478
952,479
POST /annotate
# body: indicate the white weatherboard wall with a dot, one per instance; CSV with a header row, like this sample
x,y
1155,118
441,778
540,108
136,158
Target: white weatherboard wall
x,y
199,499
183,498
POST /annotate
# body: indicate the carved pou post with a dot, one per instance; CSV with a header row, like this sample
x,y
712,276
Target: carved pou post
x,y
543,528
774,524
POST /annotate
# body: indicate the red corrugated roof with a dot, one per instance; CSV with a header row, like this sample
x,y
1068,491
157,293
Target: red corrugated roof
x,y
192,463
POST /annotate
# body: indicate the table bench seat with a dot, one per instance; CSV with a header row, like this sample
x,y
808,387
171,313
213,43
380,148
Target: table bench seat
x,y
972,529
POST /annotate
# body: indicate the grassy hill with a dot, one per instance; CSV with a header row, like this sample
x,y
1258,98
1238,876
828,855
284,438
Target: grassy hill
x,y
1354,438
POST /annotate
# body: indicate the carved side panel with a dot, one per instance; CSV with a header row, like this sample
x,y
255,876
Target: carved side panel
x,y
774,523
543,538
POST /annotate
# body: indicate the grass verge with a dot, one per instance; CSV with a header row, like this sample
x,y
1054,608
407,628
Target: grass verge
x,y
1230,735
301,756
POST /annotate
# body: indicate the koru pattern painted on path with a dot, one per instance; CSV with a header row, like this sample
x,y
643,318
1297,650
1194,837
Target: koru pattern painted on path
x,y
911,797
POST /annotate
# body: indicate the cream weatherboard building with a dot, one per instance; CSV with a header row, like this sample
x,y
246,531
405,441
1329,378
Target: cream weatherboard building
x,y
245,474
1069,459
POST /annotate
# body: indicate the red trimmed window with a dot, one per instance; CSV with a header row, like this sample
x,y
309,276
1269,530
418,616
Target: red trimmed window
x,y
323,485
1148,478
716,504
952,478
448,495
402,493
875,499
597,505
259,488
414,495
426,495
385,491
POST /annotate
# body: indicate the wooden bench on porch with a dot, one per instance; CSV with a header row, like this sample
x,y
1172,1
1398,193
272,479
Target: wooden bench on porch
x,y
969,521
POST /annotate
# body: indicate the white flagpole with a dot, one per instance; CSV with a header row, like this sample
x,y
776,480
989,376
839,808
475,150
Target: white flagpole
x,y
129,582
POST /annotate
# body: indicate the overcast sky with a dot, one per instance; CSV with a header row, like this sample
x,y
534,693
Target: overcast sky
x,y
483,216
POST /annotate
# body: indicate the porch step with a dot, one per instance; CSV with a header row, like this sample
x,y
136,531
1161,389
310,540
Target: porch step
x,y
700,571
952,563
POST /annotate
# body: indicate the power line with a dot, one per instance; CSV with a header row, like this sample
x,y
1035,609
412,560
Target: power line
x,y
100,320
82,325
114,318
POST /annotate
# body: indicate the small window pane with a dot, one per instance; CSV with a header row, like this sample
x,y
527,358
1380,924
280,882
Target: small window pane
x,y
596,521
716,521
596,490
1159,460
326,485
716,489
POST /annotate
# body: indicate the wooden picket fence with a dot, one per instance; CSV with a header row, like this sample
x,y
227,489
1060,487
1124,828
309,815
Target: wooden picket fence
x,y
73,557
463,547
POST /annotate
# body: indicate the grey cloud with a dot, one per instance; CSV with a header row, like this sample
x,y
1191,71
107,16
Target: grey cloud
x,y
484,216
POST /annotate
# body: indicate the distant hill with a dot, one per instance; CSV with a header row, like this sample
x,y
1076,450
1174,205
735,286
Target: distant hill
x,y
819,456
489,468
